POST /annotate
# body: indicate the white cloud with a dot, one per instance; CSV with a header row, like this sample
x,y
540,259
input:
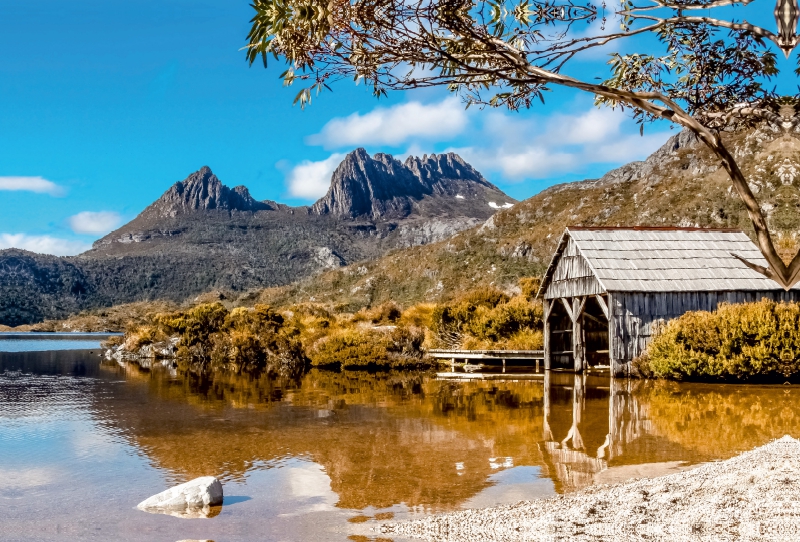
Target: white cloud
x,y
39,185
395,125
593,126
94,222
310,180
524,162
538,148
43,244
514,145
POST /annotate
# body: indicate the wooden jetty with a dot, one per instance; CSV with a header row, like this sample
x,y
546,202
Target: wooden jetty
x,y
493,355
466,360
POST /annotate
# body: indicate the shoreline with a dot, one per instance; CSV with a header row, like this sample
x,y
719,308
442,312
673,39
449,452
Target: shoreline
x,y
752,496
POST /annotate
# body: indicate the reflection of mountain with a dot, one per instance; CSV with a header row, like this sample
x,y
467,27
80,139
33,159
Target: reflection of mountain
x,y
402,438
382,439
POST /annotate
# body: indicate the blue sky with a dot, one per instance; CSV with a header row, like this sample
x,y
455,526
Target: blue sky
x,y
106,103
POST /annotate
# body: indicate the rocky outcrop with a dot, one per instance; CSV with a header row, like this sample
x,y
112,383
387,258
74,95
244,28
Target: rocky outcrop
x,y
145,354
382,187
446,174
192,499
373,187
203,191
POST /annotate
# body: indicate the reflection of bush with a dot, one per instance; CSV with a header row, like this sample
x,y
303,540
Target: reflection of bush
x,y
717,420
739,342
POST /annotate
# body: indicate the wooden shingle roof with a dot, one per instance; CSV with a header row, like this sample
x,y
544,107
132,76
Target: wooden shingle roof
x,y
667,259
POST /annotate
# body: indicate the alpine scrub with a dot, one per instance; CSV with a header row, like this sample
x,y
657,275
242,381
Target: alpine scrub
x,y
749,341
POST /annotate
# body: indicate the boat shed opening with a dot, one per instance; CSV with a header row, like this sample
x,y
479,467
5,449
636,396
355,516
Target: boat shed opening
x,y
607,290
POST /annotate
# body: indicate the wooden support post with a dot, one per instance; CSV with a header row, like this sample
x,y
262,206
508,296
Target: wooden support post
x,y
578,345
547,306
504,365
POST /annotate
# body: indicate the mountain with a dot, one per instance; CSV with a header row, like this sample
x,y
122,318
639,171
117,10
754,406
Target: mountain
x,y
380,188
201,235
681,184
203,191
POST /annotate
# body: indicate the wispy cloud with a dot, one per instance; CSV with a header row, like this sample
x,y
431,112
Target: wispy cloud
x,y
534,149
395,125
310,180
39,185
43,244
90,222
505,146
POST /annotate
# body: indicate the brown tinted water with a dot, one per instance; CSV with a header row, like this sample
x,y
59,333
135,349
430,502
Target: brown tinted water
x,y
320,457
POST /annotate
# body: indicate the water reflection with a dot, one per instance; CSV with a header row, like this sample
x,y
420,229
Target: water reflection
x,y
390,438
338,446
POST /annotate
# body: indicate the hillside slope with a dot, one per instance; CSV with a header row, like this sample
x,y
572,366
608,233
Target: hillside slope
x,y
201,235
681,184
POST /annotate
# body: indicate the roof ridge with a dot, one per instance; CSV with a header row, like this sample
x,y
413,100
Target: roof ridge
x,y
653,228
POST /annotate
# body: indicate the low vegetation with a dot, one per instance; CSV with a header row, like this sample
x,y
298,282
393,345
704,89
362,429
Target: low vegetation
x,y
750,341
209,337
110,319
487,318
213,337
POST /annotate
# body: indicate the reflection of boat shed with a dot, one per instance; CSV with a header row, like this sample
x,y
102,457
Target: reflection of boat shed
x,y
607,287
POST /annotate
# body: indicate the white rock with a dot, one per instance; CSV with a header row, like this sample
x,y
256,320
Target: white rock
x,y
198,493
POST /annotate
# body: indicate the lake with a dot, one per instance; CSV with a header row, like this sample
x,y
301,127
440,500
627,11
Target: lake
x,y
42,342
82,441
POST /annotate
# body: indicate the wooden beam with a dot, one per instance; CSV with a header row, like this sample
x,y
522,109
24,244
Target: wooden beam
x,y
568,307
602,303
596,319
580,303
578,346
547,306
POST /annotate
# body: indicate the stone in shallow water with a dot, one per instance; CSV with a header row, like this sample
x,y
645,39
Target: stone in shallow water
x,y
194,499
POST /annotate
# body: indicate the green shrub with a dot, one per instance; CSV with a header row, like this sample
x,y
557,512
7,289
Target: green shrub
x,y
735,342
354,348
488,319
459,315
530,287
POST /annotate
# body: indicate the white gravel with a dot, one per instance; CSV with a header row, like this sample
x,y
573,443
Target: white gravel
x,y
754,496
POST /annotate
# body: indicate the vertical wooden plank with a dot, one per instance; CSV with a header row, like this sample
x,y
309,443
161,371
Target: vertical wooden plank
x,y
578,345
611,333
547,305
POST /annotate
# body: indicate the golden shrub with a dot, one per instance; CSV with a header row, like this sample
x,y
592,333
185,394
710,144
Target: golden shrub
x,y
758,340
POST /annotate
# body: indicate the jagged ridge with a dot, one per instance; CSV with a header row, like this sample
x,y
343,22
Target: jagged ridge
x,y
382,187
203,191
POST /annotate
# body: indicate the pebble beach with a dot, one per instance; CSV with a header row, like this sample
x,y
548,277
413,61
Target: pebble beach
x,y
754,496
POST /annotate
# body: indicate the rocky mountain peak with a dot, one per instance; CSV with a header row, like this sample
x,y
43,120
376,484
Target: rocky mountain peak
x,y
203,191
367,186
380,186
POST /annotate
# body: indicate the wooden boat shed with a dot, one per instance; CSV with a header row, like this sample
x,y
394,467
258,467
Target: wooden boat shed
x,y
607,289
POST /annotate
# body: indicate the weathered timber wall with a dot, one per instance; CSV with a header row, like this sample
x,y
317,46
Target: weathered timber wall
x,y
572,276
634,313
